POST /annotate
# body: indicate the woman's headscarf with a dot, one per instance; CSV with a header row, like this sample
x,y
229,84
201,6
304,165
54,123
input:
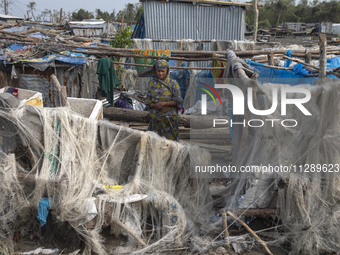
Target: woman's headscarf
x,y
164,65
161,64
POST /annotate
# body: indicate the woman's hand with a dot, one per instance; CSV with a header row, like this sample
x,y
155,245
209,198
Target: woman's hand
x,y
160,105
165,109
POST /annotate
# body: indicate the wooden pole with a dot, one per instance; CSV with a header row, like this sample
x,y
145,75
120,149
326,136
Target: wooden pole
x,y
301,62
173,67
256,17
62,90
251,232
308,57
196,121
323,55
271,59
225,227
179,53
61,14
315,67
6,7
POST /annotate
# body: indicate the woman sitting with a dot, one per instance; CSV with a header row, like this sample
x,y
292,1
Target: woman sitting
x,y
163,98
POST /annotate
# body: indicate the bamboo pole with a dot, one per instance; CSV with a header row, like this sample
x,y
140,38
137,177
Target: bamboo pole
x,y
251,232
197,68
177,53
173,67
195,58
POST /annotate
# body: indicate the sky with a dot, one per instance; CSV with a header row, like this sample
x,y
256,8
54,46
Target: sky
x,y
19,8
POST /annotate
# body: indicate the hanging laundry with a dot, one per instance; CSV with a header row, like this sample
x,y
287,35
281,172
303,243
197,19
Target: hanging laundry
x,y
144,71
218,74
107,77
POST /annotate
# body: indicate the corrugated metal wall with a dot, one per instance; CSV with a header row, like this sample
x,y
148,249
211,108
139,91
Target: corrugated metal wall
x,y
198,22
336,28
325,27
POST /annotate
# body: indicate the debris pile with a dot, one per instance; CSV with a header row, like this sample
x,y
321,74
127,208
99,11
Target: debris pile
x,y
77,163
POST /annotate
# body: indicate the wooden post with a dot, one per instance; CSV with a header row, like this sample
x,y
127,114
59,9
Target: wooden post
x,y
62,90
323,55
271,59
61,14
256,16
308,57
225,227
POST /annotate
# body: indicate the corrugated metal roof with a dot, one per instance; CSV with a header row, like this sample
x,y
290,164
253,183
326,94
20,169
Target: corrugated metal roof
x,y
88,29
198,22
98,23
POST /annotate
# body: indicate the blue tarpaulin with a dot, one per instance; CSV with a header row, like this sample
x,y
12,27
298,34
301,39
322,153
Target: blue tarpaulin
x,y
71,60
71,57
279,76
17,47
298,74
181,76
204,77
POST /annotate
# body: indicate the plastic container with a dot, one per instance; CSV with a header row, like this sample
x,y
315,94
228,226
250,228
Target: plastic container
x,y
26,96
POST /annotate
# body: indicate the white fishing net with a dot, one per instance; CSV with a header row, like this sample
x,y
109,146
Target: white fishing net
x,y
308,202
70,159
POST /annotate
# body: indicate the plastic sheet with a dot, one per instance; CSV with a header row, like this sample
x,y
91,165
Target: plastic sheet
x,y
43,211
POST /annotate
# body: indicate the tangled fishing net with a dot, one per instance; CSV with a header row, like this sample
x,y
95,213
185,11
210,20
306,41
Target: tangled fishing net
x,y
308,200
70,160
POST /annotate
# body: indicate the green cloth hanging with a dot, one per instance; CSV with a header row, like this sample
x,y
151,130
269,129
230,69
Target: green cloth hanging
x,y
107,77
